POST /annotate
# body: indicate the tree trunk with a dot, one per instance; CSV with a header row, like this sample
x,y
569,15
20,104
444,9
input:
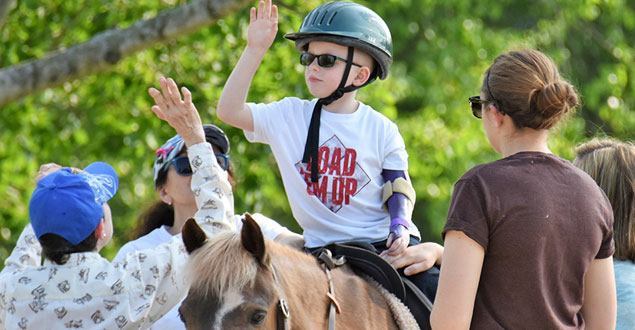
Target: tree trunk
x,y
105,49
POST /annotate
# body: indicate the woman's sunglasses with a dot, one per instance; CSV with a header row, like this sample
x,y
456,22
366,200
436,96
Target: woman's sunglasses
x,y
477,106
324,60
182,164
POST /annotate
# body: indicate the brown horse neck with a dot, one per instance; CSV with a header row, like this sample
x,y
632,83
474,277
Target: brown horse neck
x,y
306,288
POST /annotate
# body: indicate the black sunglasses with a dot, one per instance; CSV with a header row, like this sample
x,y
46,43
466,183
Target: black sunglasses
x,y
182,164
323,60
477,106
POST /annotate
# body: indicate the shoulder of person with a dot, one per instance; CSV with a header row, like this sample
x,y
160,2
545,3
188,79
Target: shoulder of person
x,y
289,101
369,111
478,172
150,240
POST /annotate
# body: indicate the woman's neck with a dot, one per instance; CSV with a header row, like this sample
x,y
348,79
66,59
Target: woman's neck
x,y
181,214
525,139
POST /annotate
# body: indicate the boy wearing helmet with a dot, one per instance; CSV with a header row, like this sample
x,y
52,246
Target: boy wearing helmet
x,y
343,196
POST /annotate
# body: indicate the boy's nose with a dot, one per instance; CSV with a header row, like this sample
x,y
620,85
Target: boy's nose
x,y
314,65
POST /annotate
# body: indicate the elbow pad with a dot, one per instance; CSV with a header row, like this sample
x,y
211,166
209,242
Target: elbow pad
x,y
400,185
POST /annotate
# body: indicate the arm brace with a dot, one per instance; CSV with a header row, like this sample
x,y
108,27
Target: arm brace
x,y
398,195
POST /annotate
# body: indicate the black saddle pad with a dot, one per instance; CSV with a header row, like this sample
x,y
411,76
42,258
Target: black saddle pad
x,y
363,257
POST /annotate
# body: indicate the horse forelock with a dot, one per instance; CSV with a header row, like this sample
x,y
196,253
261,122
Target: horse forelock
x,y
220,265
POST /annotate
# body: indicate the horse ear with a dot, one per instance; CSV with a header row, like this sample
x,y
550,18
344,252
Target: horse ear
x,y
252,239
193,236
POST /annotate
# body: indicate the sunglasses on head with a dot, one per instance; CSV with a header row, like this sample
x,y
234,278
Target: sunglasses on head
x,y
323,60
477,106
182,164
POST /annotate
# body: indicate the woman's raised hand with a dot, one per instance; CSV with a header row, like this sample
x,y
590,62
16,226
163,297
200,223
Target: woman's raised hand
x,y
179,112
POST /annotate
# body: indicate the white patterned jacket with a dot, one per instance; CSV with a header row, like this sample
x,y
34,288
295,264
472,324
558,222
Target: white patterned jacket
x,y
90,292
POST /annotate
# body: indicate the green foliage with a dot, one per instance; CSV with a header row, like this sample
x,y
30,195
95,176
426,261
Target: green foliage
x,y
441,49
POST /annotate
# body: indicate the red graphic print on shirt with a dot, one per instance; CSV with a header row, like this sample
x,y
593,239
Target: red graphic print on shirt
x,y
339,177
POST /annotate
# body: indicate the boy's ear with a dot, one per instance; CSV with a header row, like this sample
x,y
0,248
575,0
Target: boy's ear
x,y
362,76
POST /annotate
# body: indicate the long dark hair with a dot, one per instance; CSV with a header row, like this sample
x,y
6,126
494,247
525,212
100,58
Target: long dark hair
x,y
58,249
161,214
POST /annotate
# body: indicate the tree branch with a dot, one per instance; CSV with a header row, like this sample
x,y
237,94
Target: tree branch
x,y
105,49
6,6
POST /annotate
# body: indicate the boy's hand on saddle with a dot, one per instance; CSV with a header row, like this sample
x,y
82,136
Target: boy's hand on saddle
x,y
398,240
263,26
181,114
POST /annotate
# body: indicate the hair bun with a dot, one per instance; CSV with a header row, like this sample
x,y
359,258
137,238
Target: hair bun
x,y
554,99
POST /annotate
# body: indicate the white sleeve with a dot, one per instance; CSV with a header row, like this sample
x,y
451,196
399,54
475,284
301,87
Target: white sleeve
x,y
395,156
269,118
212,191
27,252
260,114
154,278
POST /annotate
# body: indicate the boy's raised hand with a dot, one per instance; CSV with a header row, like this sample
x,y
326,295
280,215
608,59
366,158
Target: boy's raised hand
x,y
181,114
263,26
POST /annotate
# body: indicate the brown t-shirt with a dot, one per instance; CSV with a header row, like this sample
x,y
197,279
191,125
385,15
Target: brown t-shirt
x,y
541,221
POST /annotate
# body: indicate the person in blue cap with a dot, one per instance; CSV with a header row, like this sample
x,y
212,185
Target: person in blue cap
x,y
71,221
69,210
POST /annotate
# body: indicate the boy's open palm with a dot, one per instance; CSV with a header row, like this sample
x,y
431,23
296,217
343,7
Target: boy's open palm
x,y
263,26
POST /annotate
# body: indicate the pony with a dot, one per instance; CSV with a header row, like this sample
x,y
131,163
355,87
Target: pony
x,y
242,281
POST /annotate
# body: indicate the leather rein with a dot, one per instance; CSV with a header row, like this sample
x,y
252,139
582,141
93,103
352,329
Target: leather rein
x,y
326,259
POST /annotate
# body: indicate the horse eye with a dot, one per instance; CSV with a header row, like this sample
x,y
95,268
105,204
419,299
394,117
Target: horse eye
x,y
257,317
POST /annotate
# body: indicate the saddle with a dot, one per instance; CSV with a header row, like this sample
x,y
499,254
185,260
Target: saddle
x,y
364,258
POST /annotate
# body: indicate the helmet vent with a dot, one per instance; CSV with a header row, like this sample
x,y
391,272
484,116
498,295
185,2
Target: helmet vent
x,y
315,17
326,12
332,18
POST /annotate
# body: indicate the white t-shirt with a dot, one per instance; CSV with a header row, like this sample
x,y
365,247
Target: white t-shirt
x,y
345,204
171,320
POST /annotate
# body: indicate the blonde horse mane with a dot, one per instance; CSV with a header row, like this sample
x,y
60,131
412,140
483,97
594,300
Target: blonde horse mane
x,y
222,264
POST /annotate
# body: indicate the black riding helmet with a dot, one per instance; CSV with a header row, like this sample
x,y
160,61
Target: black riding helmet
x,y
348,24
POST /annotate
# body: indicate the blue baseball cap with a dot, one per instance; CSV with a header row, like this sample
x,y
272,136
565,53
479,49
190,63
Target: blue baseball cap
x,y
71,205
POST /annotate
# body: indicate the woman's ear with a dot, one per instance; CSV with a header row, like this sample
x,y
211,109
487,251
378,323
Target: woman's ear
x,y
163,194
362,76
498,116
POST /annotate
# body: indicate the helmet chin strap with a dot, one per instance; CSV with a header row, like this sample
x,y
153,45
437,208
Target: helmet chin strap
x,y
313,137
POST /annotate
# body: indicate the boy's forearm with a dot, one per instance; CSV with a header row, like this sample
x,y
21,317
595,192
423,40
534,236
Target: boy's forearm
x,y
232,108
398,205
